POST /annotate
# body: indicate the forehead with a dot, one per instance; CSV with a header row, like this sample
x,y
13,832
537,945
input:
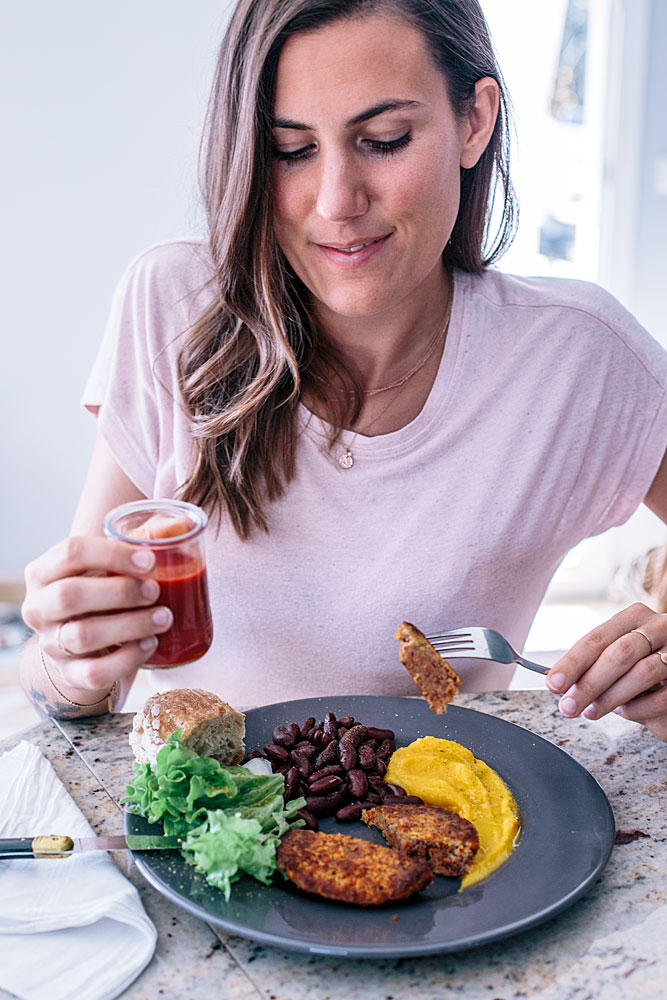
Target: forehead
x,y
350,62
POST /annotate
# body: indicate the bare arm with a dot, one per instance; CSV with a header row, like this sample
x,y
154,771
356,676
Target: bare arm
x,y
88,595
619,665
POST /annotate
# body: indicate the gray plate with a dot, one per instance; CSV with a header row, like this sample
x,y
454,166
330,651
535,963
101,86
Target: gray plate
x,y
567,837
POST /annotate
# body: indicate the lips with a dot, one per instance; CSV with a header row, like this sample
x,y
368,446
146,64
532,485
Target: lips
x,y
352,248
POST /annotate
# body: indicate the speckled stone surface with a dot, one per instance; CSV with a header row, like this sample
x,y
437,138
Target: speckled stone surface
x,y
612,943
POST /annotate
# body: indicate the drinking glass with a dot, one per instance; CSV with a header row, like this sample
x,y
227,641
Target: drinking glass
x,y
174,531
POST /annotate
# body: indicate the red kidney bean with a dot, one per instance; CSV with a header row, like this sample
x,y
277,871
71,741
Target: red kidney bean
x,y
348,813
303,765
330,725
325,805
283,738
316,737
355,736
309,819
366,757
276,753
346,720
380,766
358,783
305,749
323,786
380,734
291,784
385,750
395,789
306,726
348,757
326,739
330,769
328,756
376,782
254,755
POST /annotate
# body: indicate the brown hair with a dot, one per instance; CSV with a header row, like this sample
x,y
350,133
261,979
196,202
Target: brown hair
x,y
245,360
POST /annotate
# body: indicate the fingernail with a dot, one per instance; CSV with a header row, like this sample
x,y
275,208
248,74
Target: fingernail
x,y
143,559
568,706
556,682
591,712
150,589
162,616
149,643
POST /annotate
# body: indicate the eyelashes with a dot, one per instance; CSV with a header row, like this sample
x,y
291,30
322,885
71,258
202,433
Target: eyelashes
x,y
376,147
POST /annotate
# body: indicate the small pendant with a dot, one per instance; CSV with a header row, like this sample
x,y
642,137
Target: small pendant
x,y
346,461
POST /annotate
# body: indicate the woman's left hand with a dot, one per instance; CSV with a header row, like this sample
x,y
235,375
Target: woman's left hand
x,y
620,665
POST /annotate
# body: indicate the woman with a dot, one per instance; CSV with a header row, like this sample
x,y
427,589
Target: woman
x,y
382,427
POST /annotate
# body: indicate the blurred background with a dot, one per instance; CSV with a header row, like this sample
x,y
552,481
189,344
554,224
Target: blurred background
x,y
102,113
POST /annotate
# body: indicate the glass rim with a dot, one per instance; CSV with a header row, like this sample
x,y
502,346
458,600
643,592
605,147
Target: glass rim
x,y
137,506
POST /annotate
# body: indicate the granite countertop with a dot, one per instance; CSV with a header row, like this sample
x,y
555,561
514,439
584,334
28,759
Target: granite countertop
x,y
611,943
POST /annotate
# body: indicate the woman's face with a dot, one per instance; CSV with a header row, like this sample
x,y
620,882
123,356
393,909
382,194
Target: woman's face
x,y
367,159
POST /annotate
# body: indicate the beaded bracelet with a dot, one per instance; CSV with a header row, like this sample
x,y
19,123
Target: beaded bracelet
x,y
76,704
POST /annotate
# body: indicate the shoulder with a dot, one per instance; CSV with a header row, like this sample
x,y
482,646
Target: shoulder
x,y
514,291
579,315
181,262
172,278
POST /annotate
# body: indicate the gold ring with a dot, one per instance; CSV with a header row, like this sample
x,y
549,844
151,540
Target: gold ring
x,y
644,635
59,642
663,656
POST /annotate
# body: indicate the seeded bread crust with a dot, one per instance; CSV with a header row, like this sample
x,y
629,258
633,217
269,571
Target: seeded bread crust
x,y
210,726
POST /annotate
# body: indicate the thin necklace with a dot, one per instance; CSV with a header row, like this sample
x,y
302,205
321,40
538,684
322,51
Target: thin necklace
x,y
346,460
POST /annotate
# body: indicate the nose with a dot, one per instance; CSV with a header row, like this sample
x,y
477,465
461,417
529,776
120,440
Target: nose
x,y
342,192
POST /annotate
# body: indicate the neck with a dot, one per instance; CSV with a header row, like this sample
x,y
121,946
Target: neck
x,y
383,347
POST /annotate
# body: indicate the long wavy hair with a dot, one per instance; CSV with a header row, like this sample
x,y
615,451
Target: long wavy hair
x,y
245,362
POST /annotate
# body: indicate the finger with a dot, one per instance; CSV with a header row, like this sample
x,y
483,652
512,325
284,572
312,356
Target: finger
x,y
581,657
99,673
646,674
84,636
84,595
647,708
88,553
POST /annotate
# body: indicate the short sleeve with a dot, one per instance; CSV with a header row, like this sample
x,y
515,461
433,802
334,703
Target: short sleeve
x,y
133,386
622,385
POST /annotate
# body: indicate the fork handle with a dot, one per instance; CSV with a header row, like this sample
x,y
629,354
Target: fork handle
x,y
537,667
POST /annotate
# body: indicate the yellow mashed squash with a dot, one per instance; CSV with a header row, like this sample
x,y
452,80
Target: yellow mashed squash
x,y
443,773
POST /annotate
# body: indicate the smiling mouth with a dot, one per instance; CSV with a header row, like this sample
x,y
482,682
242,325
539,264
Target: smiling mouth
x,y
356,248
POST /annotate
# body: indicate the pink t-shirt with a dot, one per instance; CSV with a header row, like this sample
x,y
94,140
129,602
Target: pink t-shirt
x,y
546,424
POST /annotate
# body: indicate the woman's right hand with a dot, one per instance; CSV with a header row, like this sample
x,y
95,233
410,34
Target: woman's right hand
x,y
92,604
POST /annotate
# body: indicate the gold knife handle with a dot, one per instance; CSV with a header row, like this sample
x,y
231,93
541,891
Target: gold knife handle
x,y
36,847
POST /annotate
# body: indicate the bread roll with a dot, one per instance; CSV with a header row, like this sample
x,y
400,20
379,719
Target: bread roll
x,y
209,726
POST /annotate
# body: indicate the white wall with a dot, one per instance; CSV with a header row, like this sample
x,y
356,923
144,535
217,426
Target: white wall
x,y
101,115
102,109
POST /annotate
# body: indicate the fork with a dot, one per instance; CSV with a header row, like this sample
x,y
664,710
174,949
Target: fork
x,y
480,644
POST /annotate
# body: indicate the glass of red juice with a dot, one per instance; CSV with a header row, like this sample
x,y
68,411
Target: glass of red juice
x,y
174,531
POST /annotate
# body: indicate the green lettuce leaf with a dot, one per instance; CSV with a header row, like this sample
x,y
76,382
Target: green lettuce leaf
x,y
230,819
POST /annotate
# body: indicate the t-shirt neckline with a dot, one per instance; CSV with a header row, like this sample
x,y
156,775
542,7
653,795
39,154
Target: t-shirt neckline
x,y
406,438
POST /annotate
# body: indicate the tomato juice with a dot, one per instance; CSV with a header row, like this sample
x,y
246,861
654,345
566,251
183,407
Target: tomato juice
x,y
184,590
173,531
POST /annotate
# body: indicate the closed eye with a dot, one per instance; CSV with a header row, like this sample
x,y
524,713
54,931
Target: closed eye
x,y
386,148
378,147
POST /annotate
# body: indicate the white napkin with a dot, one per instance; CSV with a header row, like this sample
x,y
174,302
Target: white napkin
x,y
69,927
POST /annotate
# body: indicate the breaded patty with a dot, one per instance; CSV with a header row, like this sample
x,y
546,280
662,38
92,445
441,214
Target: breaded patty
x,y
434,677
446,841
350,869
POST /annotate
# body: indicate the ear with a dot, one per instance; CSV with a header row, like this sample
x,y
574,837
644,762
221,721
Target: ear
x,y
480,122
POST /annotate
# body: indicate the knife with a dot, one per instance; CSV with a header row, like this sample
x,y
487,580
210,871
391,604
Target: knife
x,y
64,847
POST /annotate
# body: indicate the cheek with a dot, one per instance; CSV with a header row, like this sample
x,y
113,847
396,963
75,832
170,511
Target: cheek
x,y
288,206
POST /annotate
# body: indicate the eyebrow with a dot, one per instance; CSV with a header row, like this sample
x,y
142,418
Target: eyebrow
x,y
364,116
